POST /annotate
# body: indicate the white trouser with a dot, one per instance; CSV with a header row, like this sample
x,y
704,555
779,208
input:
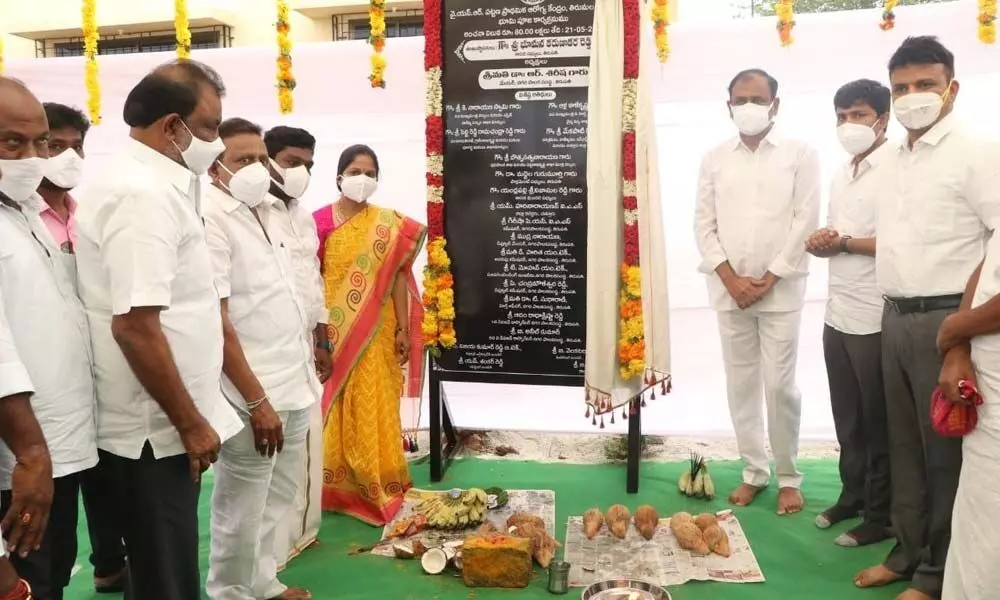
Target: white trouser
x,y
761,347
300,525
251,493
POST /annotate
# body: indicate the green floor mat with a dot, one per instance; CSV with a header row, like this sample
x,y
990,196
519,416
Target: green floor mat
x,y
798,560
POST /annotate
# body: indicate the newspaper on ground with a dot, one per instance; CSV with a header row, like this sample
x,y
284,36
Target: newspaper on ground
x,y
659,560
541,503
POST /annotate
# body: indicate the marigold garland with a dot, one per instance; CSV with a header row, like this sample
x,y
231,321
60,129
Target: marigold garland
x,y
286,81
90,38
888,15
376,38
661,20
438,326
631,341
785,10
988,21
182,28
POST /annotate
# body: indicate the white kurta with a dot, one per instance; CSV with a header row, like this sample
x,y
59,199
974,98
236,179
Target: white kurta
x,y
971,568
44,341
755,209
141,242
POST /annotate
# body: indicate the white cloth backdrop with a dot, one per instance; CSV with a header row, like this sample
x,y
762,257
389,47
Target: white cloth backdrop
x,y
335,103
605,218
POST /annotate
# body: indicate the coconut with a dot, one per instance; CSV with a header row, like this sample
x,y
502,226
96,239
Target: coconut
x,y
403,550
434,561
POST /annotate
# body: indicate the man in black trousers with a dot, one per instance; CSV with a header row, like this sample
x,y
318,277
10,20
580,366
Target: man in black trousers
x,y
936,211
852,339
146,280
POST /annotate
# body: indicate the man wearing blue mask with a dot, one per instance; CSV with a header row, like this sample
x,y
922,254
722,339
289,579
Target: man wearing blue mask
x,y
936,210
146,279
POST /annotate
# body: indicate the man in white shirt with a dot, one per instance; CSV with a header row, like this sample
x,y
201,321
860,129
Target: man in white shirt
x,y
936,212
758,202
291,152
146,280
63,171
268,370
852,341
44,357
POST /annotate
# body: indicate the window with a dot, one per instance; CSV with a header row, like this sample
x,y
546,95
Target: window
x,y
394,27
135,44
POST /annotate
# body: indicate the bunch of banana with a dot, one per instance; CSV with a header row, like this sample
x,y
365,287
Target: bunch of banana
x,y
695,482
455,509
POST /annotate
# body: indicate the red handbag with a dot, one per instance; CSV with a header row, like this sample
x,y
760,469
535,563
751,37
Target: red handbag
x,y
956,419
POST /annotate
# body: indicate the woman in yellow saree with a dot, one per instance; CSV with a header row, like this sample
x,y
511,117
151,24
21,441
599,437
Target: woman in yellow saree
x,y
366,254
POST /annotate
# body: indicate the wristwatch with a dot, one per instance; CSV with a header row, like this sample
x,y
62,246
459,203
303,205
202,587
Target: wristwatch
x,y
843,244
325,345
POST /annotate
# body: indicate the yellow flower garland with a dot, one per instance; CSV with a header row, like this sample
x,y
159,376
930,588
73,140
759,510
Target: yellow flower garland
x,y
988,21
376,38
661,20
785,9
90,37
182,29
286,81
888,15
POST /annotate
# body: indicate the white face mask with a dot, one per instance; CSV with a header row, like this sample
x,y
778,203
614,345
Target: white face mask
x,y
250,184
19,179
750,118
920,110
296,180
65,170
856,138
358,188
200,155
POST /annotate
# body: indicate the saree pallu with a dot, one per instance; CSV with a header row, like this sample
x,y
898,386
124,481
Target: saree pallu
x,y
365,473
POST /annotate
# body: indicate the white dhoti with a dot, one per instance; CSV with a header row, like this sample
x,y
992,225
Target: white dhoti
x,y
971,571
299,528
759,351
252,493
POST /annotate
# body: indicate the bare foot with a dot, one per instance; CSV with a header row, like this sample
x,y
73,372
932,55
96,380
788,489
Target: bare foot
x,y
744,495
876,576
293,593
789,501
912,594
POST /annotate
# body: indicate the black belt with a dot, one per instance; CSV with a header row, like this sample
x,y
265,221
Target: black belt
x,y
923,305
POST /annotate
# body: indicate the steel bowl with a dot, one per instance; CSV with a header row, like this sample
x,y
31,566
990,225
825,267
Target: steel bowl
x,y
624,589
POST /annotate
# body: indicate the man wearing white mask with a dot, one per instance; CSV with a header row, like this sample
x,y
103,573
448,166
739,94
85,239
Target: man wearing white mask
x,y
291,152
44,360
758,202
63,171
852,342
268,372
147,282
937,209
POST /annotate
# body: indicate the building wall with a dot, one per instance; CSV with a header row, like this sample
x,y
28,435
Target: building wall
x,y
31,28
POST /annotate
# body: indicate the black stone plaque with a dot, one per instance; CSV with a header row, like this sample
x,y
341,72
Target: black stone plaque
x,y
515,115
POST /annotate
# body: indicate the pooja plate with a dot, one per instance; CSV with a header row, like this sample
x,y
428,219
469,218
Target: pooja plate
x,y
624,589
